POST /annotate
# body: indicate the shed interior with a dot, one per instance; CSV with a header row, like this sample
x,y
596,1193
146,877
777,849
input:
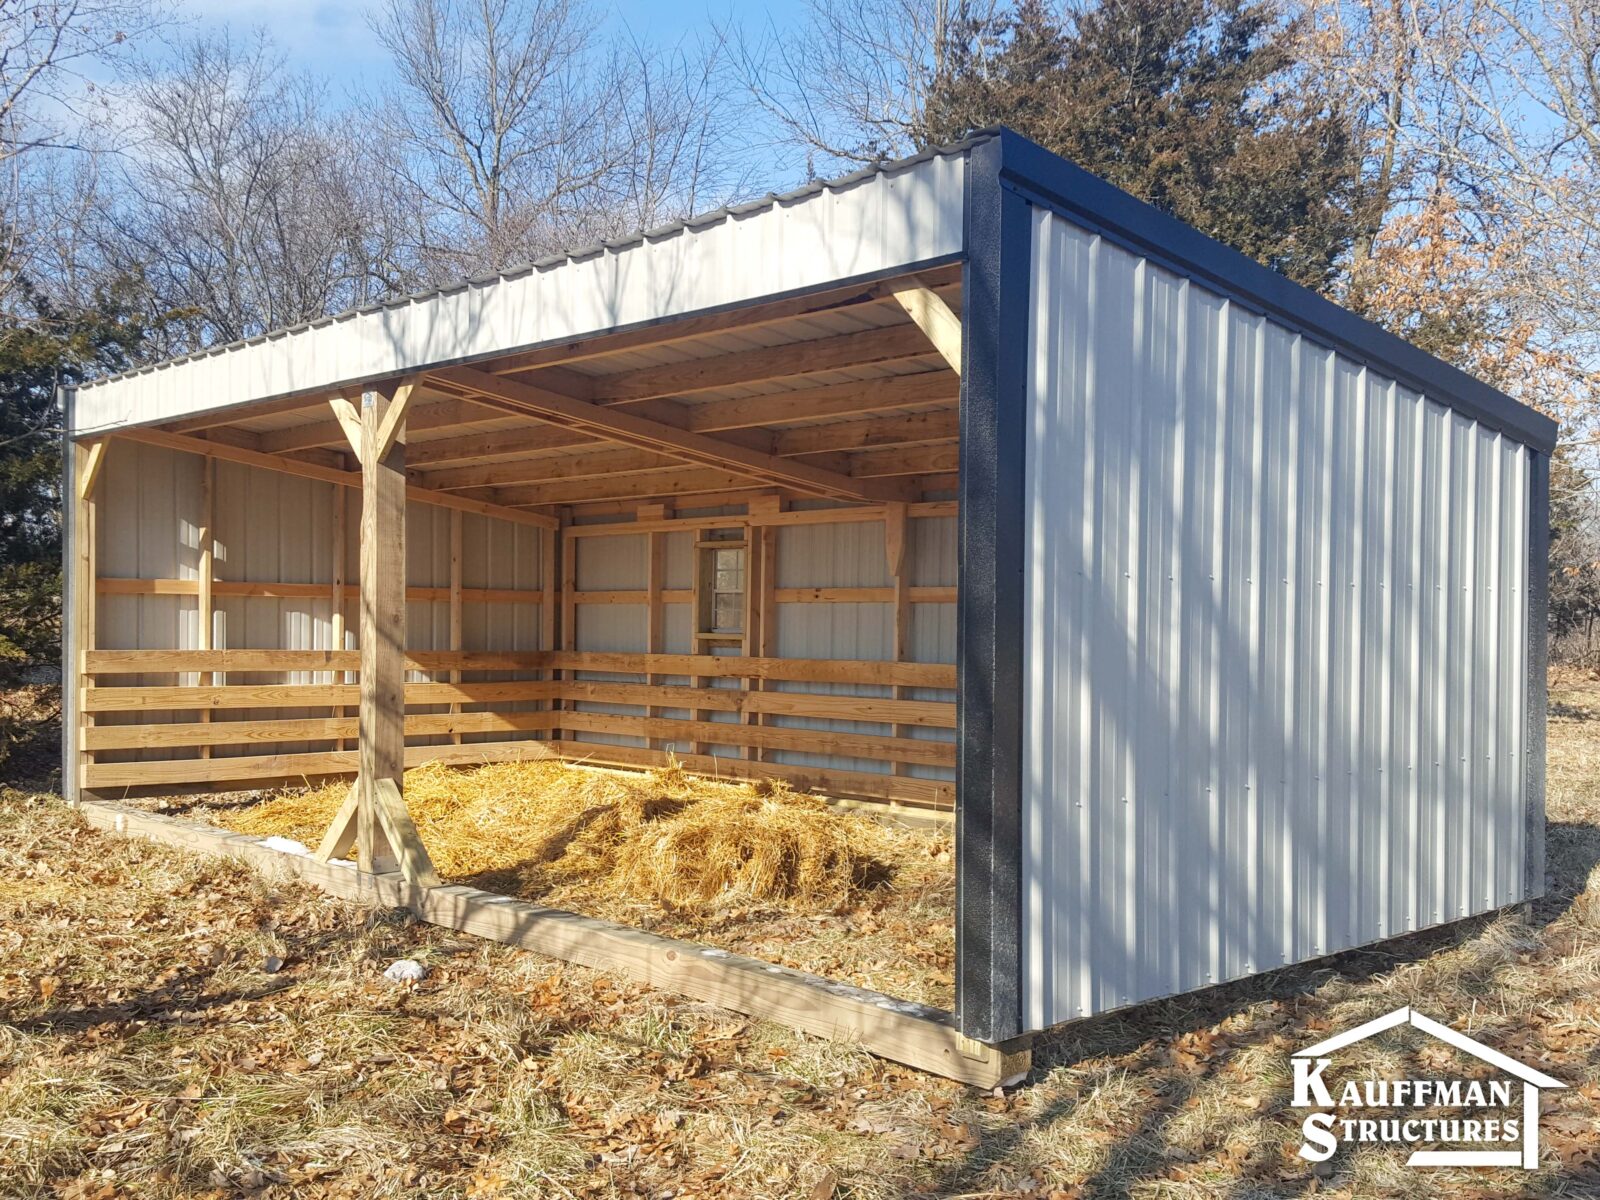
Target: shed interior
x,y
729,537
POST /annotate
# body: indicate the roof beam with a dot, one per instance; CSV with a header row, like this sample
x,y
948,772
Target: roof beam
x,y
821,403
757,366
433,414
868,434
680,482
334,475
757,316
630,429
609,461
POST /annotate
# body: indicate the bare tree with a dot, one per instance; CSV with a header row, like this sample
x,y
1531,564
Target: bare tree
x,y
1489,111
852,84
241,201
496,126
50,51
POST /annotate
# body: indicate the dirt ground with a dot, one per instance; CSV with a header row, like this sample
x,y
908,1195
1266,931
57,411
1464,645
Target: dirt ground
x,y
171,1026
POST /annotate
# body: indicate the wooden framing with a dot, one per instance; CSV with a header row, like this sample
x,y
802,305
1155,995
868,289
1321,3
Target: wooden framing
x,y
685,445
632,443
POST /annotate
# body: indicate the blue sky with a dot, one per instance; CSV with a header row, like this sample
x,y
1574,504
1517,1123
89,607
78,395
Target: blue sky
x,y
331,39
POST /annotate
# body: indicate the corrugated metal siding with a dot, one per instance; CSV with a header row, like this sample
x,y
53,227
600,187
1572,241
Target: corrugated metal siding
x,y
877,224
1274,642
275,528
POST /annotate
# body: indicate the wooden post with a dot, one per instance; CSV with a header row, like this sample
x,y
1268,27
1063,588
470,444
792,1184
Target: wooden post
x,y
382,751
340,555
87,461
763,552
205,571
455,603
569,605
655,583
547,608
895,538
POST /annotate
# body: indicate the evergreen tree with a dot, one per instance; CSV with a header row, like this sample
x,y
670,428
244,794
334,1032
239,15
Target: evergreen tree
x,y
1194,105
41,347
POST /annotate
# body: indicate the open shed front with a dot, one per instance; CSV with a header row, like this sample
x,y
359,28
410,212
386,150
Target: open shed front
x,y
967,486
724,537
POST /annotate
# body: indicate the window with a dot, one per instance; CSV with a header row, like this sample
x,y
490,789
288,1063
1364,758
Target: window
x,y
722,589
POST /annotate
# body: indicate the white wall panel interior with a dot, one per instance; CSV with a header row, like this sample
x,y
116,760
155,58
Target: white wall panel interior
x,y
1274,644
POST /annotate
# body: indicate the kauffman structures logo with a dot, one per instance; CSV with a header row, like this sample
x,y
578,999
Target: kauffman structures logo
x,y
1454,1122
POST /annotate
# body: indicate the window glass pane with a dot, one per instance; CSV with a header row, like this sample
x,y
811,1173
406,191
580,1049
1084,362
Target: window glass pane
x,y
728,614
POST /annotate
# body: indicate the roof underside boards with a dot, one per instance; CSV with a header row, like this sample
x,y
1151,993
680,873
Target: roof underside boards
x,y
834,395
863,228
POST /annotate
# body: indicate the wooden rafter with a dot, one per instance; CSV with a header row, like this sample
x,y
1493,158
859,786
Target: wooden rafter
x,y
686,481
602,461
425,415
689,447
822,403
758,366
850,298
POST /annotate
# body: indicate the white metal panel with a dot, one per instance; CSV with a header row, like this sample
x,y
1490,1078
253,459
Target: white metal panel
x,y
1274,644
876,224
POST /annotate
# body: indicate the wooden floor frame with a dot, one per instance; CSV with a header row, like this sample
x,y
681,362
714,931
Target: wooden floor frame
x,y
917,1035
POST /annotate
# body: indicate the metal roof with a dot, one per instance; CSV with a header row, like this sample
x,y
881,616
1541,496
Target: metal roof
x,y
579,253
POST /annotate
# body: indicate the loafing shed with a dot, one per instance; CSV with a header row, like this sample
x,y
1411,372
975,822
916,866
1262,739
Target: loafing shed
x,y
1213,613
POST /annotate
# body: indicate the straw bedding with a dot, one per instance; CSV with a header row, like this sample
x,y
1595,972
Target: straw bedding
x,y
757,868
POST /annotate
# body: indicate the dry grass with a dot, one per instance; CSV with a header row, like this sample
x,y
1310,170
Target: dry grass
x,y
144,1052
756,868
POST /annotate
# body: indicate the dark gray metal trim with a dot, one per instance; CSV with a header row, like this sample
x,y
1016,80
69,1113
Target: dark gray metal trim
x,y
1057,184
68,397
989,615
1538,665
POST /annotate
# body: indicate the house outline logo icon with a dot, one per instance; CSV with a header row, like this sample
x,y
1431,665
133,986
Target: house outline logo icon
x,y
1533,1082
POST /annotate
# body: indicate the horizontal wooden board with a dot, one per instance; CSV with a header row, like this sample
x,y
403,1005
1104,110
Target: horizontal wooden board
x,y
291,766
930,792
772,737
179,699
309,729
150,662
794,704
796,670
112,585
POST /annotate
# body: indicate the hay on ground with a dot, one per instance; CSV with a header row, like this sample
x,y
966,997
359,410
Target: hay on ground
x,y
681,840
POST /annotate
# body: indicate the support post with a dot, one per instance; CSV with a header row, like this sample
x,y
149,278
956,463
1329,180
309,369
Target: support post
x,y
79,495
455,604
548,543
763,583
655,583
341,522
205,570
895,538
382,752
